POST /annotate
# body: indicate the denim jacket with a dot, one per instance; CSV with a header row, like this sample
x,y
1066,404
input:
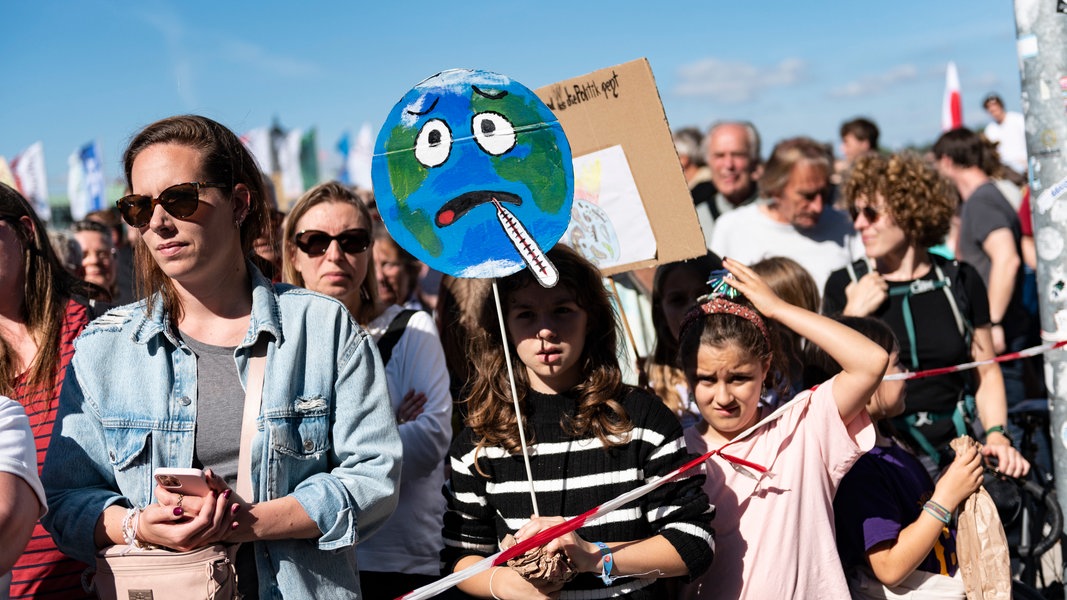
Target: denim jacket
x,y
325,435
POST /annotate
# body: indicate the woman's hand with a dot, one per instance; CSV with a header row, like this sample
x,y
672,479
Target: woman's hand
x,y
746,281
865,295
1010,461
186,522
410,407
506,584
960,479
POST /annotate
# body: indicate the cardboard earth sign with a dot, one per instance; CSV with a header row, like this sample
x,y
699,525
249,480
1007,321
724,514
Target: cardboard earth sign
x,y
473,176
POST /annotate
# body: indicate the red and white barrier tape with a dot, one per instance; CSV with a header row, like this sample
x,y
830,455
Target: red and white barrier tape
x,y
1034,351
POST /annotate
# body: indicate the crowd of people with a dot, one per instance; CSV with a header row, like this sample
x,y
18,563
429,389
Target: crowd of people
x,y
385,451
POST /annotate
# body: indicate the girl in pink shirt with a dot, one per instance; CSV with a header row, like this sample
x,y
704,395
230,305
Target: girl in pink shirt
x,y
772,478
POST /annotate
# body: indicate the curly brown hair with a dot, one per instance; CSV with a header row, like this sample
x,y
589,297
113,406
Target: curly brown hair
x,y
491,412
917,197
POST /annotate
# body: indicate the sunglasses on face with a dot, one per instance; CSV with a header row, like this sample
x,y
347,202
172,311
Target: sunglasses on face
x,y
869,212
180,201
315,243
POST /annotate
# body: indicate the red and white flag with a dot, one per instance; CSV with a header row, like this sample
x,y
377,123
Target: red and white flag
x,y
31,179
952,104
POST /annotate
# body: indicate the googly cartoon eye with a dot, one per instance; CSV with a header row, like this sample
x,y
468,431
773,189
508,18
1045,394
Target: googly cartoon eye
x,y
434,143
493,132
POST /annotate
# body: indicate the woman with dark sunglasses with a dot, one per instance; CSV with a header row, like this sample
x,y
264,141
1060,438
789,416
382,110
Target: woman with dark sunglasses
x,y
937,308
42,309
328,247
160,383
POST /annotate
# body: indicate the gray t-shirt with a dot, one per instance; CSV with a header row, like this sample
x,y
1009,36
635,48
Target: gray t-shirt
x,y
219,409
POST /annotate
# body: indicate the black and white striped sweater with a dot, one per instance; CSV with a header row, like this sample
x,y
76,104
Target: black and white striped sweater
x,y
572,476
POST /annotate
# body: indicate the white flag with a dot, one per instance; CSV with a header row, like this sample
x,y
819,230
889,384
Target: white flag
x,y
258,143
31,179
359,160
951,103
6,176
288,151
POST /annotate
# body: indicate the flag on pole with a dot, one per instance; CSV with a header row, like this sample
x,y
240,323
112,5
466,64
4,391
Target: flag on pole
x,y
360,160
31,179
85,181
258,143
309,160
952,104
343,146
288,152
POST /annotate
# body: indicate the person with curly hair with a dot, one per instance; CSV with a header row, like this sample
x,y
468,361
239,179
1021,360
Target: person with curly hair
x,y
937,308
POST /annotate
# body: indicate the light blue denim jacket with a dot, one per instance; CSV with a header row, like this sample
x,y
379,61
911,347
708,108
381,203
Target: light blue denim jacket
x,y
326,434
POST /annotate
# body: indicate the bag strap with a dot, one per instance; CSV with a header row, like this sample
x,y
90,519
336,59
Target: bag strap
x,y
253,398
392,334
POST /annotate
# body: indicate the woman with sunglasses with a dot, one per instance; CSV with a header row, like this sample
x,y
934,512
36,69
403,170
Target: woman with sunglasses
x,y
42,309
936,308
160,383
328,247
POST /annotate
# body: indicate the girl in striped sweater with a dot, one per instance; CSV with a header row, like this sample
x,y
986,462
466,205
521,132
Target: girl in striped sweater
x,y
591,438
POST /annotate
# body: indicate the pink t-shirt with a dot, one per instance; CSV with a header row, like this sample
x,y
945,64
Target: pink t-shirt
x,y
775,538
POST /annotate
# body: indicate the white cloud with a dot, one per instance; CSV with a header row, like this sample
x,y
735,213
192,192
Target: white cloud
x,y
258,57
737,82
870,85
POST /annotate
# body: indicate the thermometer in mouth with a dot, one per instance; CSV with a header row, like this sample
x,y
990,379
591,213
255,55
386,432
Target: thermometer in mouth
x,y
543,269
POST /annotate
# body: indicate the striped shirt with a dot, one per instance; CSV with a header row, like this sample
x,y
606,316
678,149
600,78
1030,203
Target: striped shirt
x,y
43,571
572,475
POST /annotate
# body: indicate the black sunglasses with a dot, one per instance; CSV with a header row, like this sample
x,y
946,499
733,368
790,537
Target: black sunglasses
x,y
869,212
315,243
180,201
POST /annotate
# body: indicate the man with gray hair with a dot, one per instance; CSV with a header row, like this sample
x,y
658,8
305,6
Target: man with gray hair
x,y
732,149
794,218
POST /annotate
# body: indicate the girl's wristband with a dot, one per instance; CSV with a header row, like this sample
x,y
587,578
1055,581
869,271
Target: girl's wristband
x,y
608,562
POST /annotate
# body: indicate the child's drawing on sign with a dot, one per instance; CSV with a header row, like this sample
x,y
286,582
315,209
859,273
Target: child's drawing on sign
x,y
608,221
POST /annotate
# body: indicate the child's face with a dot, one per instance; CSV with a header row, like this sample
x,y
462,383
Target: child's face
x,y
681,288
888,399
548,329
727,385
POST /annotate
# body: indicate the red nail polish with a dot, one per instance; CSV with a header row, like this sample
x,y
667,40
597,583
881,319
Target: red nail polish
x,y
227,494
178,511
233,525
236,507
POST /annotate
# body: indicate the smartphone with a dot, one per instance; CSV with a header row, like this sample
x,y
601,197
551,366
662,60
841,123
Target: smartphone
x,y
182,481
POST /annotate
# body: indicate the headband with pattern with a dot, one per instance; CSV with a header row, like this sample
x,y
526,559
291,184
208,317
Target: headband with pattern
x,y
720,305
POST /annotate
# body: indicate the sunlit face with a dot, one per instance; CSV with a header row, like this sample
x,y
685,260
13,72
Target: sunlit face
x,y
98,257
394,285
888,400
880,233
204,248
730,160
548,329
804,196
726,385
336,273
852,147
996,111
680,289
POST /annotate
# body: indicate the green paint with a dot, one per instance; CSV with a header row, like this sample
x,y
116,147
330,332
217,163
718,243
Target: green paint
x,y
420,226
406,175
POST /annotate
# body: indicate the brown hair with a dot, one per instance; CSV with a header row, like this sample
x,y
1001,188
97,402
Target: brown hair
x,y
491,414
917,197
662,366
787,154
223,159
45,292
331,191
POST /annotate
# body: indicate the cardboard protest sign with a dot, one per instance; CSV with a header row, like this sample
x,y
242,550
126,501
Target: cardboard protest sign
x,y
473,176
632,207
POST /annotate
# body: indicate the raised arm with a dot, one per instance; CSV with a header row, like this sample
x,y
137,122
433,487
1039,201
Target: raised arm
x,y
862,361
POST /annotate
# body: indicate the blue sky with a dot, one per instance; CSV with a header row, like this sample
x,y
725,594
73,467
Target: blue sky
x,y
78,71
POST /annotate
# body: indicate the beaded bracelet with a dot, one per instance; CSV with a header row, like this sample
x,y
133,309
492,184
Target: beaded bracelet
x,y
937,511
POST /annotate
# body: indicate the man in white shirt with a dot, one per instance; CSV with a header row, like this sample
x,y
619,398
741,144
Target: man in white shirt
x,y
733,156
794,219
1008,130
